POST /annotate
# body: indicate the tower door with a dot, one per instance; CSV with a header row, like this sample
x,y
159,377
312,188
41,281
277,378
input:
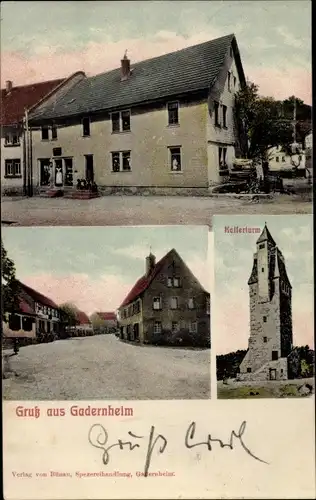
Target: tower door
x,y
272,374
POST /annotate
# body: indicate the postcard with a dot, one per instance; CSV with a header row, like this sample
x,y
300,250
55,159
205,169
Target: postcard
x,y
156,253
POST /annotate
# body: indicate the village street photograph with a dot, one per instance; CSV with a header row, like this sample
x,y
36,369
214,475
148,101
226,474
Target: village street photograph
x,y
263,306
154,119
106,313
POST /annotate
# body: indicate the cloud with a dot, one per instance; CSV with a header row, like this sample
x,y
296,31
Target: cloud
x,y
290,39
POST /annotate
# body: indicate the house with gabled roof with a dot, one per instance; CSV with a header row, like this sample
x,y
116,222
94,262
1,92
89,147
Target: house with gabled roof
x,y
37,316
103,322
167,305
83,327
163,125
16,146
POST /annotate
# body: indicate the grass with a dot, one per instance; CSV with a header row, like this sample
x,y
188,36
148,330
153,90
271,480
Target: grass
x,y
268,390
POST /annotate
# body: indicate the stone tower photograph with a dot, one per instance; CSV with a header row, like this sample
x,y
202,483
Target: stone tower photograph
x,y
263,306
270,297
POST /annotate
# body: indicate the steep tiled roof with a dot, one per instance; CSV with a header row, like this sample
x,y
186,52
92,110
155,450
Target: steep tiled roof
x,y
188,70
143,283
37,297
14,103
82,318
107,316
265,236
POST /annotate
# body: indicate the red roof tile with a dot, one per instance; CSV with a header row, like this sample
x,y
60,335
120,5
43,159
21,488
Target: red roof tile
x,y
107,316
143,283
82,318
14,103
38,297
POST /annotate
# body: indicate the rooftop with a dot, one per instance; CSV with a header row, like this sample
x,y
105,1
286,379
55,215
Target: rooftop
x,y
185,71
15,100
38,297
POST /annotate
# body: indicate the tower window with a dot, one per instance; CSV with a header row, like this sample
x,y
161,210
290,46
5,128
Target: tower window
x,y
248,370
264,319
265,339
275,355
261,245
262,269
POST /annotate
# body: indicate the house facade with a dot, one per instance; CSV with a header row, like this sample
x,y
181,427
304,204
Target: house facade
x,y
270,293
37,316
83,328
280,161
167,305
16,145
103,322
163,125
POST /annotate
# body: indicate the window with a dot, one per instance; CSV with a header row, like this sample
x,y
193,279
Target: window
x,y
193,327
265,339
228,81
216,114
235,81
54,132
299,157
262,269
121,161
157,303
175,159
86,126
157,327
283,159
174,282
262,245
173,113
224,116
277,159
174,303
12,139
264,319
191,303
121,121
174,326
13,168
45,133
275,355
248,370
222,152
126,120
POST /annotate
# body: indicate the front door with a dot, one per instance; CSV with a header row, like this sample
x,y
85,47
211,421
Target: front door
x,y
89,168
59,176
136,332
272,374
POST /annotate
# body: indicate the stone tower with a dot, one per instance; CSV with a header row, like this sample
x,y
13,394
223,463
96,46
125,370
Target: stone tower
x,y
270,297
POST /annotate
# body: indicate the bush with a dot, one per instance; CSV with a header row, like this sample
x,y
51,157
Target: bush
x,y
182,338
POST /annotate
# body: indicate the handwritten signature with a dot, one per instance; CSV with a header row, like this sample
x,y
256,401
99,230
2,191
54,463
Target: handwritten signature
x,y
98,438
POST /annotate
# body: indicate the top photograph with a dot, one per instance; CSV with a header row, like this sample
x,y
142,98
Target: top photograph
x,y
145,113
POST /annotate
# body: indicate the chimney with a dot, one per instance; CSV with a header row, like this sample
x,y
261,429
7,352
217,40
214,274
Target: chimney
x,y
150,263
125,67
8,86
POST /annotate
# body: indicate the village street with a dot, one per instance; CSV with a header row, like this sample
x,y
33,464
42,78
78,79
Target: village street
x,y
141,210
103,367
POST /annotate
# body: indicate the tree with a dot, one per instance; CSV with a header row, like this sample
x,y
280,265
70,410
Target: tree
x,y
10,285
260,124
68,315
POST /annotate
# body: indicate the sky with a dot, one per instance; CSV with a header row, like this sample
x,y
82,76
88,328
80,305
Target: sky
x,y
46,40
95,267
233,254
